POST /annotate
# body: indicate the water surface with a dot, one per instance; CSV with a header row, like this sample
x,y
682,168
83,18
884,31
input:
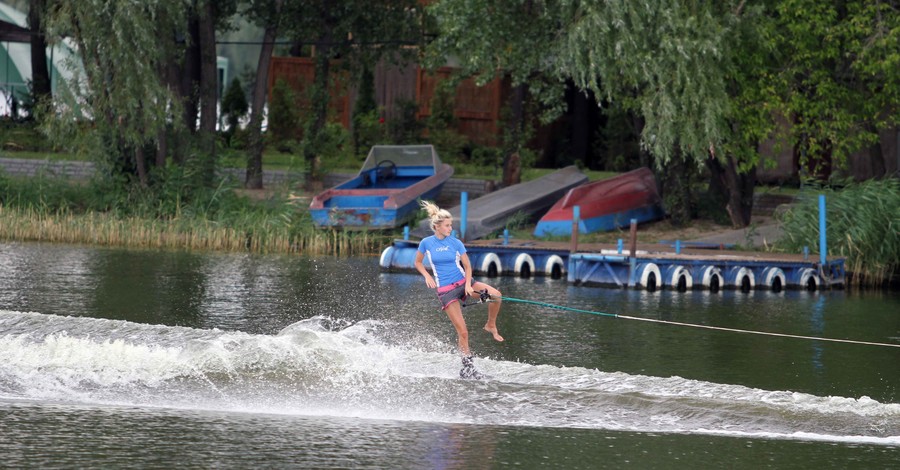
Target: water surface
x,y
147,358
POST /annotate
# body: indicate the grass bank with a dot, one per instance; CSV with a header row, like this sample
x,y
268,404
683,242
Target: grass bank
x,y
56,210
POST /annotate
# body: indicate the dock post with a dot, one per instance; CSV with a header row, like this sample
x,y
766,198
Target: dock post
x,y
824,272
463,213
677,247
805,253
406,232
506,236
632,249
576,215
823,247
619,246
632,242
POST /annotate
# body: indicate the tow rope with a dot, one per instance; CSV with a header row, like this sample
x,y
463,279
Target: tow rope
x,y
485,297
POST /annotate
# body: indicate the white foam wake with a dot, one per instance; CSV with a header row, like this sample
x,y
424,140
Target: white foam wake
x,y
321,366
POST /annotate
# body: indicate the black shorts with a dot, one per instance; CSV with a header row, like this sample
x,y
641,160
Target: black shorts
x,y
455,292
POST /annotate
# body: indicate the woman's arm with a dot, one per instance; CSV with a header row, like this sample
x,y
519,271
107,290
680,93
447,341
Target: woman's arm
x,y
429,281
467,266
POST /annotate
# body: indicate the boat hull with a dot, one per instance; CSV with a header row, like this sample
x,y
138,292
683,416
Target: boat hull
x,y
604,205
370,211
491,212
604,223
386,191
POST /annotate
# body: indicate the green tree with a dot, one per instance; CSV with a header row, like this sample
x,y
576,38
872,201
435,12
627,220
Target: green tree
x,y
116,84
234,107
267,14
838,80
141,68
706,80
488,39
656,59
365,111
283,115
359,33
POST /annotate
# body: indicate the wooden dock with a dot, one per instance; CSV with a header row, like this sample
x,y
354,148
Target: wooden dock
x,y
678,266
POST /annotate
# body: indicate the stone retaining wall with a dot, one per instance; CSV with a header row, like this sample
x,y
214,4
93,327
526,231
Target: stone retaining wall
x,y
84,170
66,169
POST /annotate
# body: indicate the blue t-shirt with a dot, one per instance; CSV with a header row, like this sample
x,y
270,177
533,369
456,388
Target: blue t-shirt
x,y
444,257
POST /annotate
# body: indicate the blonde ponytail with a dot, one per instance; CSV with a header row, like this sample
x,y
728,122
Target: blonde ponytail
x,y
435,213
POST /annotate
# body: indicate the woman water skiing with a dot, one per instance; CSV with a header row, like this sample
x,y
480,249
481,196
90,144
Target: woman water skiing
x,y
452,277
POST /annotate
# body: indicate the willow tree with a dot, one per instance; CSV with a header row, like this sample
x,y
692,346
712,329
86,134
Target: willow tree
x,y
358,33
666,61
727,75
692,71
709,81
115,81
735,70
123,94
658,59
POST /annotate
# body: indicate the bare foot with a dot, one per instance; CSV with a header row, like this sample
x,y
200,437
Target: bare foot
x,y
493,331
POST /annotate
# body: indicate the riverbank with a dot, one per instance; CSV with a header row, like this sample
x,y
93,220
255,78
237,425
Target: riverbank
x,y
762,233
36,207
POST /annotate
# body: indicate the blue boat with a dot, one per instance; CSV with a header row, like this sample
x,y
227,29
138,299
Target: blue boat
x,y
385,192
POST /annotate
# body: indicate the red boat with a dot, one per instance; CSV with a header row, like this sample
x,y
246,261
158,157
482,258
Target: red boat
x,y
605,205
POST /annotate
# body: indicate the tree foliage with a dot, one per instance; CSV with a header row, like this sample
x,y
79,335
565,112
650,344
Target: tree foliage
x,y
665,59
706,81
709,81
838,77
516,37
358,33
661,60
116,80
234,106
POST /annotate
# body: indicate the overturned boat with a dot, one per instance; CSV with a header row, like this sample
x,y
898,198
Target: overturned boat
x,y
491,212
604,205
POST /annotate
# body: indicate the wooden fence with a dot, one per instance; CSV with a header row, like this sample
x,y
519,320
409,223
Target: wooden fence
x,y
299,74
478,112
477,109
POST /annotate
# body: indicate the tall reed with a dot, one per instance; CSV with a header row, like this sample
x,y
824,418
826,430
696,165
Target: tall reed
x,y
31,224
56,210
863,225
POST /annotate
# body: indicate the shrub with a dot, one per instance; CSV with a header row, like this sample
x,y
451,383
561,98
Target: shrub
x,y
234,107
368,129
334,147
23,136
283,119
405,129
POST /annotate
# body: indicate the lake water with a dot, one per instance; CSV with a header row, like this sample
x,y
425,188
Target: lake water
x,y
116,358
